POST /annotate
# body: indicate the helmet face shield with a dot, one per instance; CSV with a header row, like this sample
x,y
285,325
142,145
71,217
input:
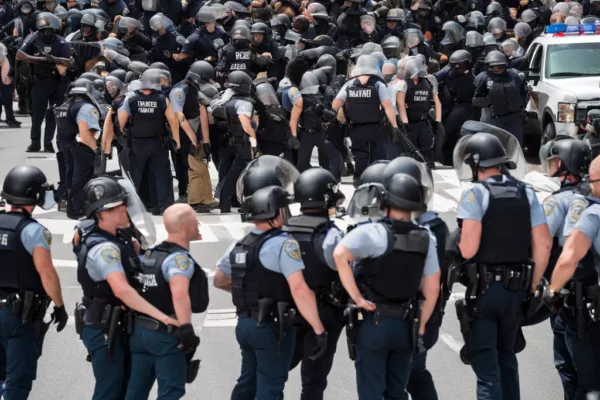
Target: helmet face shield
x,y
367,202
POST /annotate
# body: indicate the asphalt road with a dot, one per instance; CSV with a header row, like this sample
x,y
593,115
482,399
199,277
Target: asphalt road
x,y
63,372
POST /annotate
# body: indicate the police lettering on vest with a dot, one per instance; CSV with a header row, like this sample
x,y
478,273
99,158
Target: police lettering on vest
x,y
363,105
66,119
418,100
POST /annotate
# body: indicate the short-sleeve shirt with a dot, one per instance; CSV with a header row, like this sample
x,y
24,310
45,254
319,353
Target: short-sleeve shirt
x,y
89,114
589,224
177,98
102,260
35,235
370,240
475,201
332,239
382,90
556,210
243,107
125,106
293,94
178,263
279,254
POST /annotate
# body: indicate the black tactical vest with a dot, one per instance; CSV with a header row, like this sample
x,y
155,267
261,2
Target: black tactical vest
x,y
250,280
191,109
100,292
310,232
148,113
66,119
158,292
461,87
506,224
418,100
238,60
239,136
17,269
362,103
309,119
504,96
395,277
438,227
40,47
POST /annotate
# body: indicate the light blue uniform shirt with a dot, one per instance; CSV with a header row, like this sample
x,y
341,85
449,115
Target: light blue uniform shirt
x,y
177,98
332,239
102,260
577,208
89,114
382,90
125,106
278,254
35,235
370,240
587,220
556,209
475,201
293,94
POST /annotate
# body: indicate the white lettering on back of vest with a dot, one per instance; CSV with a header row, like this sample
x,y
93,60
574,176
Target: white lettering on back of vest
x,y
363,93
4,239
147,107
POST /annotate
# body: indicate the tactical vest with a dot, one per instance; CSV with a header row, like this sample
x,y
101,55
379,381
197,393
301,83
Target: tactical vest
x,y
17,269
66,119
504,96
99,293
310,120
506,225
191,109
395,277
418,100
239,136
148,113
310,232
39,47
438,227
362,103
156,289
250,280
461,87
238,60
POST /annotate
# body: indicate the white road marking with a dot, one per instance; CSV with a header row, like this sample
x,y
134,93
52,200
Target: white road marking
x,y
454,344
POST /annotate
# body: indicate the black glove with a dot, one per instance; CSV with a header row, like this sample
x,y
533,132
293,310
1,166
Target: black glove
x,y
555,302
50,58
439,128
293,143
420,349
60,317
320,348
396,135
108,156
207,148
187,337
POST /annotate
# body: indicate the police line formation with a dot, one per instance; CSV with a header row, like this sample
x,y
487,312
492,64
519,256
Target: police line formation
x,y
254,88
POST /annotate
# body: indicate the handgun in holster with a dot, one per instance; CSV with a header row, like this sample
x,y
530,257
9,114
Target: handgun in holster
x,y
80,311
104,320
527,275
30,303
414,333
17,304
471,272
286,316
352,321
113,327
593,294
580,310
265,308
464,317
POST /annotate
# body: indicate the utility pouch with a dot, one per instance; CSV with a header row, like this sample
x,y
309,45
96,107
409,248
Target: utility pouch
x,y
265,307
511,279
80,311
17,304
354,318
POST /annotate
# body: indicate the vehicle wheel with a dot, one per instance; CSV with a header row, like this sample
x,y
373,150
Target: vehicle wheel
x,y
533,144
549,132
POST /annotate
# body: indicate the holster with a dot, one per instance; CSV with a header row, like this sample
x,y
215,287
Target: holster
x,y
79,316
113,327
265,309
414,333
286,316
579,309
32,306
515,280
593,295
353,319
471,274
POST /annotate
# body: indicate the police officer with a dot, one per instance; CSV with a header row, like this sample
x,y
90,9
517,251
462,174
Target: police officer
x,y
166,45
107,262
28,281
457,90
263,271
78,125
366,99
348,23
474,45
502,227
319,18
49,54
414,102
416,44
236,56
88,31
306,121
206,41
150,111
239,111
175,284
392,269
316,190
503,90
395,21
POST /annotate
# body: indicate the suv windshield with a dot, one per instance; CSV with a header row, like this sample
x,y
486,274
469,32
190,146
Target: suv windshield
x,y
573,60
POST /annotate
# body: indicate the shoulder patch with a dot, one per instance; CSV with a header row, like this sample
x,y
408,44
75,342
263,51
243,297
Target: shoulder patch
x,y
95,114
47,236
110,255
148,254
292,249
293,92
180,96
549,205
576,209
470,197
182,261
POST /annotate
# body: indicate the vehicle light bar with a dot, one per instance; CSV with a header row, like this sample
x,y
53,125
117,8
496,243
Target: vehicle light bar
x,y
579,29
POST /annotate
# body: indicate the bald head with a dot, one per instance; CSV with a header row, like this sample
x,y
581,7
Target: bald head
x,y
388,69
595,169
177,215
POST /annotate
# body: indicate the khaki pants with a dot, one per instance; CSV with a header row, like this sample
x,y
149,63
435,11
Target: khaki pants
x,y
200,186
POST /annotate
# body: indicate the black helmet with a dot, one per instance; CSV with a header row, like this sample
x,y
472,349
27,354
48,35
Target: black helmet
x,y
201,71
240,82
88,19
159,65
484,150
323,40
317,188
82,86
24,185
151,79
260,27
413,168
460,56
283,20
374,172
101,194
405,193
265,203
395,15
528,16
204,17
258,178
495,58
241,32
119,73
575,155
61,13
47,20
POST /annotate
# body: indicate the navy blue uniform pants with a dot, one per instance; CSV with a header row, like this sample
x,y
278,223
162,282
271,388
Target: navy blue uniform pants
x,y
83,171
368,146
66,167
111,375
22,353
562,357
512,123
265,364
453,120
314,373
422,137
45,95
155,356
150,156
229,183
310,140
491,343
383,358
420,383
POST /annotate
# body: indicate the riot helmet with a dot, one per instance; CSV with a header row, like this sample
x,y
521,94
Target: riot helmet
x,y
259,27
453,31
258,178
102,194
61,13
150,79
136,69
204,16
391,47
522,30
127,24
511,47
460,61
88,20
285,172
473,40
395,15
574,154
528,16
413,168
493,9
495,58
484,150
404,193
160,23
82,86
266,203
366,65
317,12
561,8
165,71
49,24
150,5
26,7
327,60
26,185
309,83
317,188
476,22
413,37
201,72
412,69
497,27
241,37
119,73
236,7
240,82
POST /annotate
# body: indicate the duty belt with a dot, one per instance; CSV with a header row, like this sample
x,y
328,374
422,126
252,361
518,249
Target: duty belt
x,y
26,304
142,321
248,313
401,311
